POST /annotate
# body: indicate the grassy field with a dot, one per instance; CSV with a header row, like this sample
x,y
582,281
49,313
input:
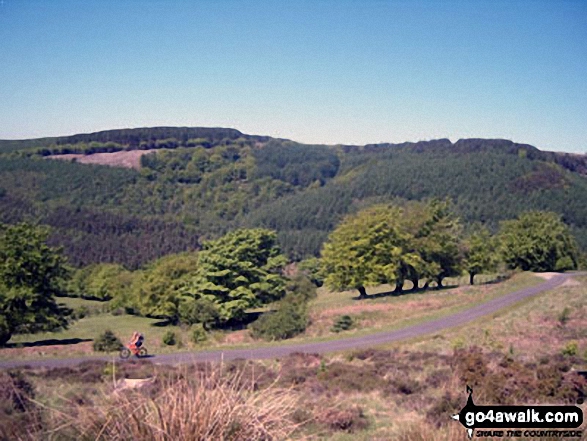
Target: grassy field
x,y
378,313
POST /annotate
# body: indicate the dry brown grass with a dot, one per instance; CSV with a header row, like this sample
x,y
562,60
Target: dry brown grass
x,y
193,406
529,330
391,311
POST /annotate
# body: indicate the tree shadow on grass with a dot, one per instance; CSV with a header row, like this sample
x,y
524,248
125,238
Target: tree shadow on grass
x,y
394,293
239,324
495,281
49,342
231,325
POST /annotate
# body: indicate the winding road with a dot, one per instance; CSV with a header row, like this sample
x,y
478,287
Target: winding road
x,y
419,330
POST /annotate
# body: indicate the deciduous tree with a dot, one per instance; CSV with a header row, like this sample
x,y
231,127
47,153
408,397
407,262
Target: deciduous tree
x,y
364,250
31,274
538,241
480,253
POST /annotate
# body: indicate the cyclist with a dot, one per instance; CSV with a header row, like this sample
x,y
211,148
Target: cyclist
x,y
136,340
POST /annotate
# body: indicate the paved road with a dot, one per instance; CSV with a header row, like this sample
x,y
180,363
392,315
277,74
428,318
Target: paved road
x,y
419,330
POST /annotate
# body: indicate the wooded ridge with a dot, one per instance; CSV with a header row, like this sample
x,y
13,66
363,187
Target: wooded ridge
x,y
199,183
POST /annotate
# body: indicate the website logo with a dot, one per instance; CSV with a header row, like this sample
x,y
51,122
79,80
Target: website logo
x,y
514,418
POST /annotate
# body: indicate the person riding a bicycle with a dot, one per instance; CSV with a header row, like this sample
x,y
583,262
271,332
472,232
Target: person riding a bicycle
x,y
136,340
134,347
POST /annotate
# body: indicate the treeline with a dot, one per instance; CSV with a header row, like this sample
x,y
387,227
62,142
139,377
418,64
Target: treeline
x,y
132,137
208,289
486,186
415,242
296,164
423,243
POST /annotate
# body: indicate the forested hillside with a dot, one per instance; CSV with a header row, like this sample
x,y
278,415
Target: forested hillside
x,y
199,183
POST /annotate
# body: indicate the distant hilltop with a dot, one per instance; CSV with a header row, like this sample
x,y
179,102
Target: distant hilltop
x,y
150,138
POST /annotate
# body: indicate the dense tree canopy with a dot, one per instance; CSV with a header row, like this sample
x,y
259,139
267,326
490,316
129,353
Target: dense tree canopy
x,y
389,244
538,241
364,250
31,274
241,270
156,289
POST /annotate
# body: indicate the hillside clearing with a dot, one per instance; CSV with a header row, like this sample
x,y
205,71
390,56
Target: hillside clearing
x,y
126,159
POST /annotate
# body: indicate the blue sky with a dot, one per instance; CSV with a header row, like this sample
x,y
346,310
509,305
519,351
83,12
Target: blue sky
x,y
320,71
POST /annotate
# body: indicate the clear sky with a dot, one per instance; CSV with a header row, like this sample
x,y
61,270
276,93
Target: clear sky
x,y
319,71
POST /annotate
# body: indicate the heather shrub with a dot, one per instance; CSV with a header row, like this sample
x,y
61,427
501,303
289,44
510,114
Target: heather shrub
x,y
342,323
344,420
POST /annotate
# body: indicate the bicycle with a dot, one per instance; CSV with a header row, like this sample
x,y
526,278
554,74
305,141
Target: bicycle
x,y
138,352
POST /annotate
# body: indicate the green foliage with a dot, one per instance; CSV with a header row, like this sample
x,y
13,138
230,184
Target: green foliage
x,y
103,281
169,338
387,244
31,274
156,289
241,270
538,241
199,334
434,234
289,320
296,164
302,288
311,267
204,182
199,311
481,252
363,250
107,342
483,184
571,349
342,323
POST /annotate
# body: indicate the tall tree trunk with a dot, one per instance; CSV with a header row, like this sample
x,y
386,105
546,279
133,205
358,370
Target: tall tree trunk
x,y
439,282
426,285
471,278
415,282
399,286
362,292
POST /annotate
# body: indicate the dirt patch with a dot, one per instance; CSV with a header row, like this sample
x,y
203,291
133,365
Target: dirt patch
x,y
236,337
128,383
571,282
546,276
126,159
